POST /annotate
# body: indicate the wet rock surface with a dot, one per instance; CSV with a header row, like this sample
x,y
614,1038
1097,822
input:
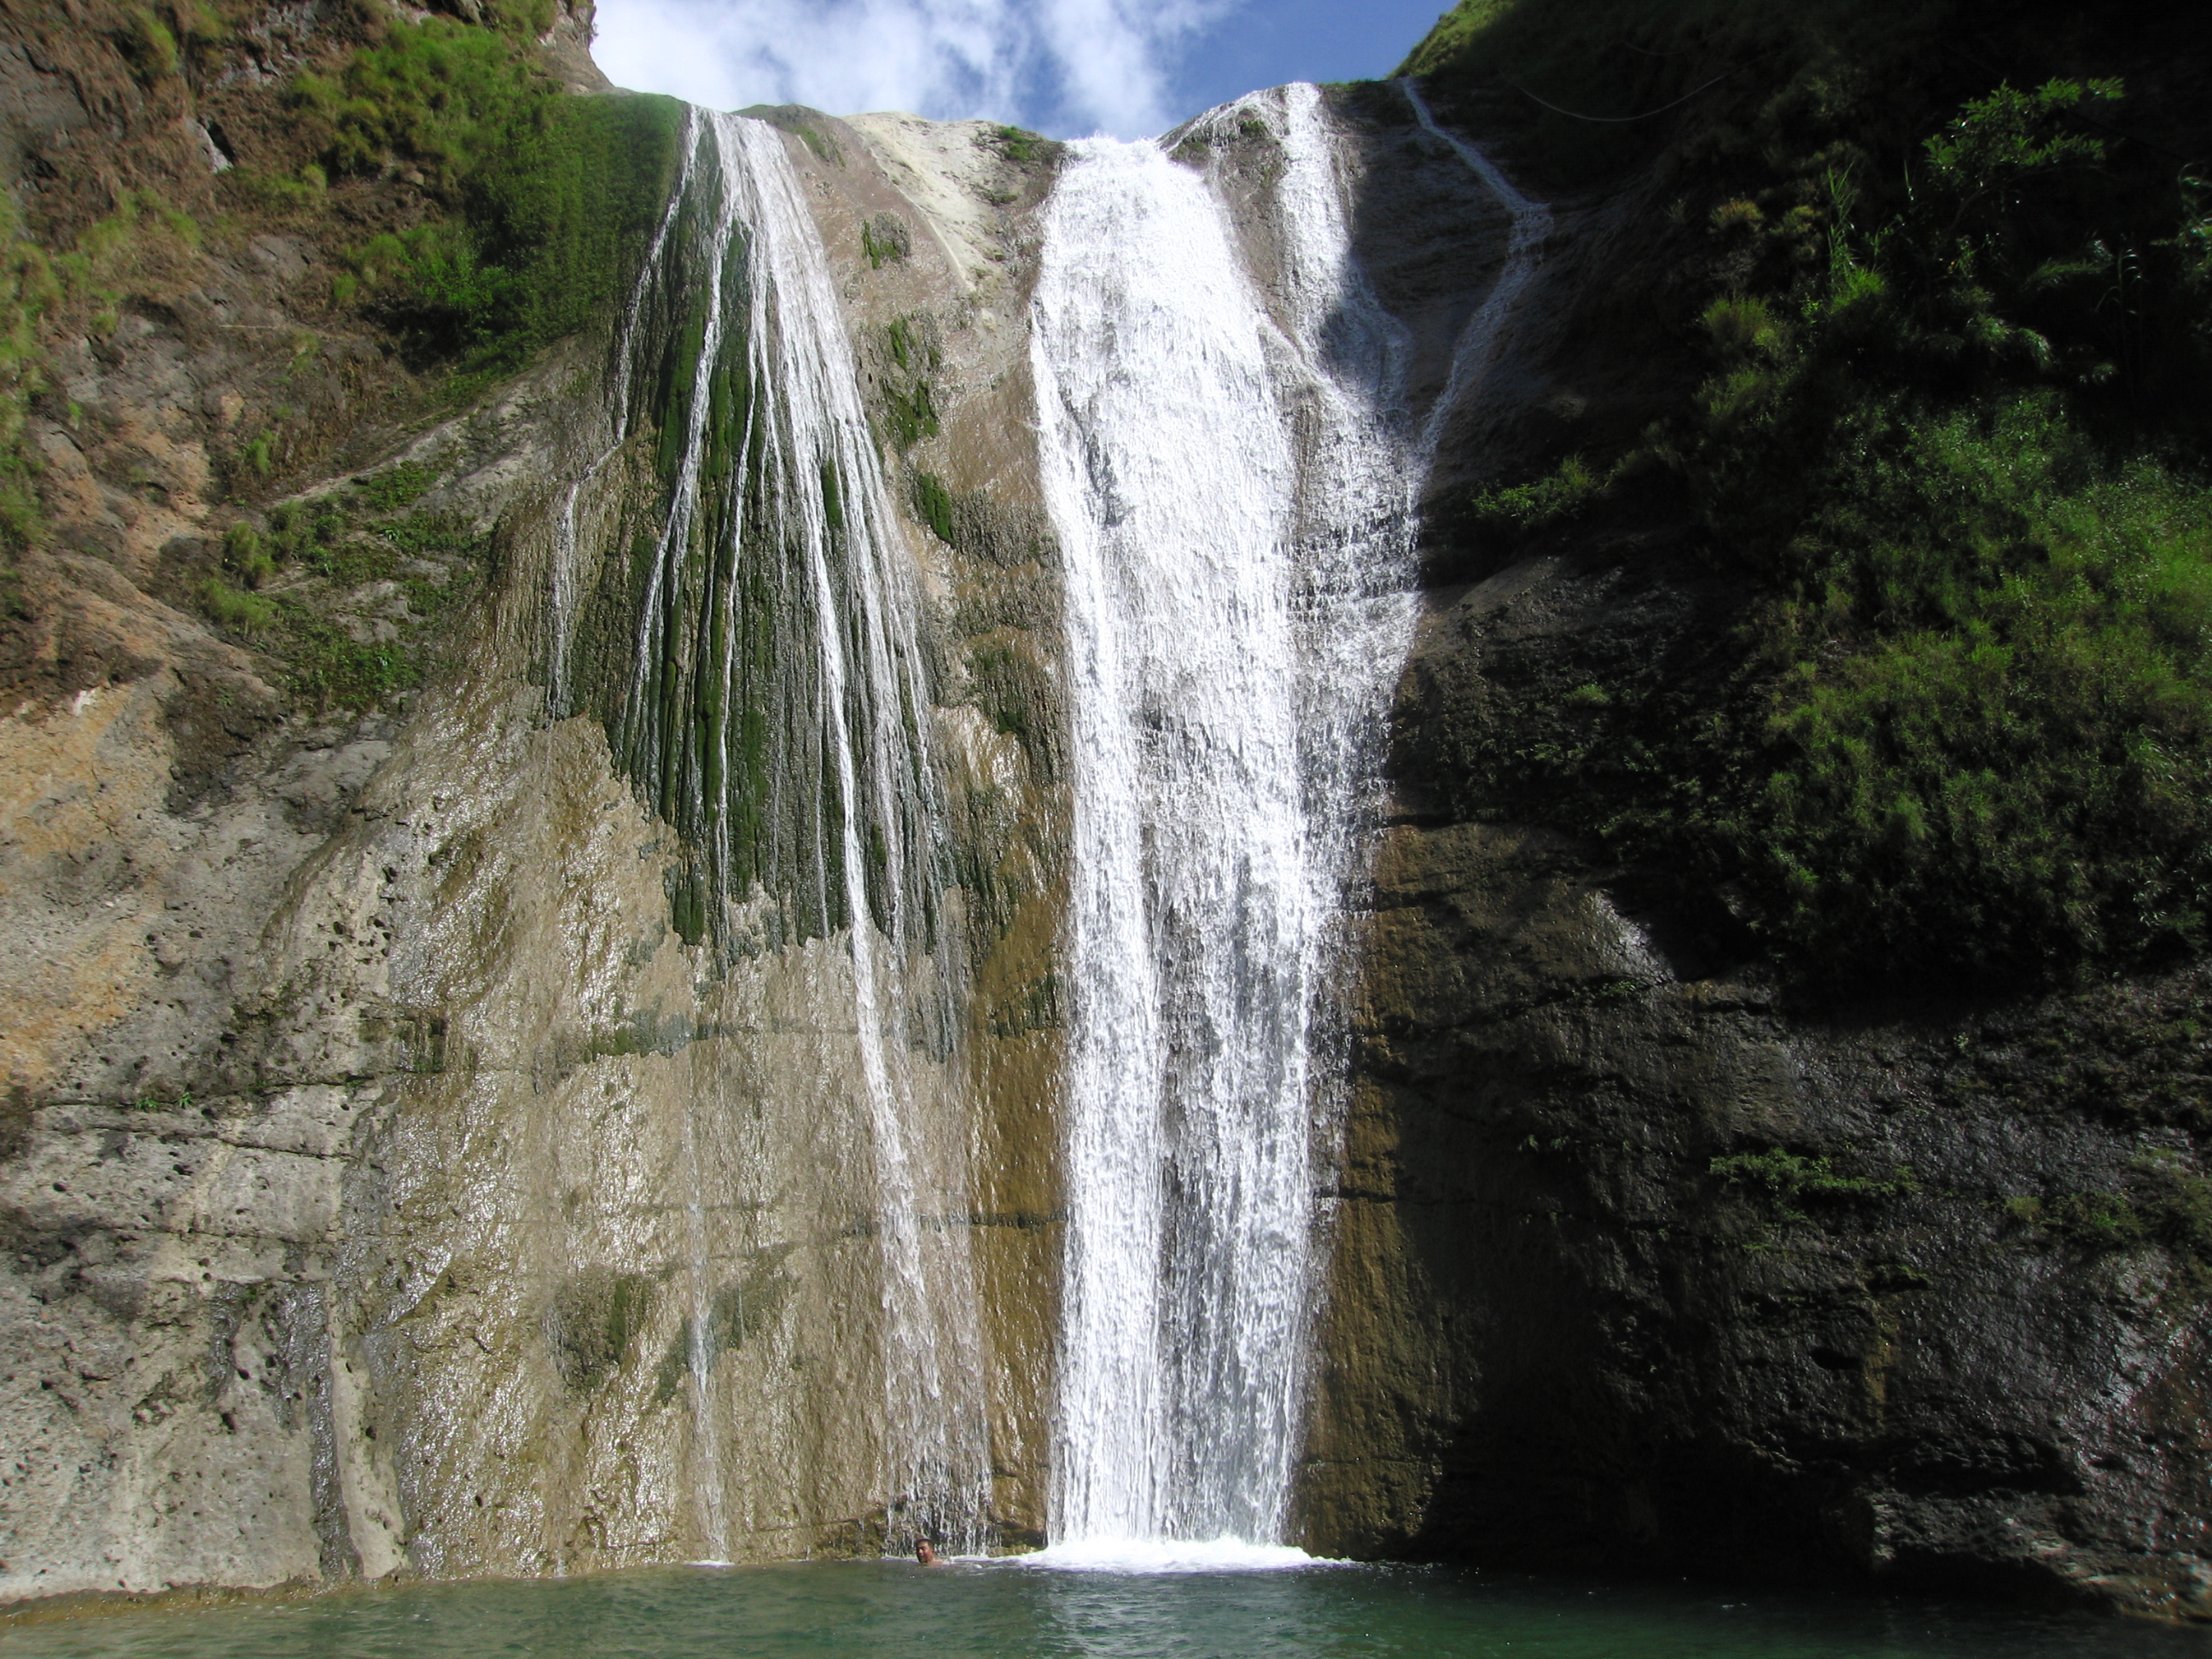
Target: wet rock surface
x,y
1644,1264
367,1122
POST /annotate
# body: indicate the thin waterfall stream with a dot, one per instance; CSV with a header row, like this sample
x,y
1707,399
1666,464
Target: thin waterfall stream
x,y
774,709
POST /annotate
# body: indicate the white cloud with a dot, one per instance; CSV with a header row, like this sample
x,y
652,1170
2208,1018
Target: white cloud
x,y
1064,66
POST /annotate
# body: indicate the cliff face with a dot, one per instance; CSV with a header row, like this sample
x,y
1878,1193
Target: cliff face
x,y
1643,1261
383,1168
397,1174
1638,1268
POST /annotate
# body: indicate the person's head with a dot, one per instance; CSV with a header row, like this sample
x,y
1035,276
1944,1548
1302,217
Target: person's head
x,y
925,1552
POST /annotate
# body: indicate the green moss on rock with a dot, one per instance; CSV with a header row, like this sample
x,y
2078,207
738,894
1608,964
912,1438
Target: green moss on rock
x,y
1945,448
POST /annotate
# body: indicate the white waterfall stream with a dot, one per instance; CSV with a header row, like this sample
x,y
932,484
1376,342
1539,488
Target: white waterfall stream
x,y
1236,495
1170,475
1478,343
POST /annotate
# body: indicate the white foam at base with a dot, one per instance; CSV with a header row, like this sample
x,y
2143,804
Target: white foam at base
x,y
1164,1555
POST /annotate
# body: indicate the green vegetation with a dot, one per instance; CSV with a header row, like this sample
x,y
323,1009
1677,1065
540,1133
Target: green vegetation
x,y
910,356
546,199
885,237
81,288
2161,1204
395,487
910,410
910,346
150,46
2132,1054
1507,515
149,1102
245,550
1014,695
28,288
487,212
1785,1181
981,526
534,212
933,506
271,193
157,43
315,556
1020,145
1949,449
249,613
1591,79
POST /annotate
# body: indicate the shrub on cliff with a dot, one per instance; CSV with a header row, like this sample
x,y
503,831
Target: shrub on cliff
x,y
1951,447
546,198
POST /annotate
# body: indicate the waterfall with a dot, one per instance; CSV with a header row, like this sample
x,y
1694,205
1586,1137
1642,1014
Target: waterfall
x,y
1477,346
1169,474
769,700
1235,491
775,693
1234,510
1227,457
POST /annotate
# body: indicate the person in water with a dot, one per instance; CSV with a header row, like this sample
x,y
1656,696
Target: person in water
x,y
925,1552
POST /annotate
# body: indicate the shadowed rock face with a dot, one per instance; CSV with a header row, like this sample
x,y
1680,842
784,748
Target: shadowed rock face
x,y
380,1169
1558,1335
1641,1264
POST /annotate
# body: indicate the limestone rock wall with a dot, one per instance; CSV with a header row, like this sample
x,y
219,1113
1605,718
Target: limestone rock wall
x,y
380,1167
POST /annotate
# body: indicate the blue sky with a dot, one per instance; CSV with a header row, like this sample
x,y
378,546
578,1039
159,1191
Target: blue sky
x,y
1065,67
1265,43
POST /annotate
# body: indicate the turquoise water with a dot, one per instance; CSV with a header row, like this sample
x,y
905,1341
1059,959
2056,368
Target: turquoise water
x,y
967,1612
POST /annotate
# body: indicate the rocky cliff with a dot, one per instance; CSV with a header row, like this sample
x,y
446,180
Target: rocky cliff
x,y
405,1168
1657,1249
384,1162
